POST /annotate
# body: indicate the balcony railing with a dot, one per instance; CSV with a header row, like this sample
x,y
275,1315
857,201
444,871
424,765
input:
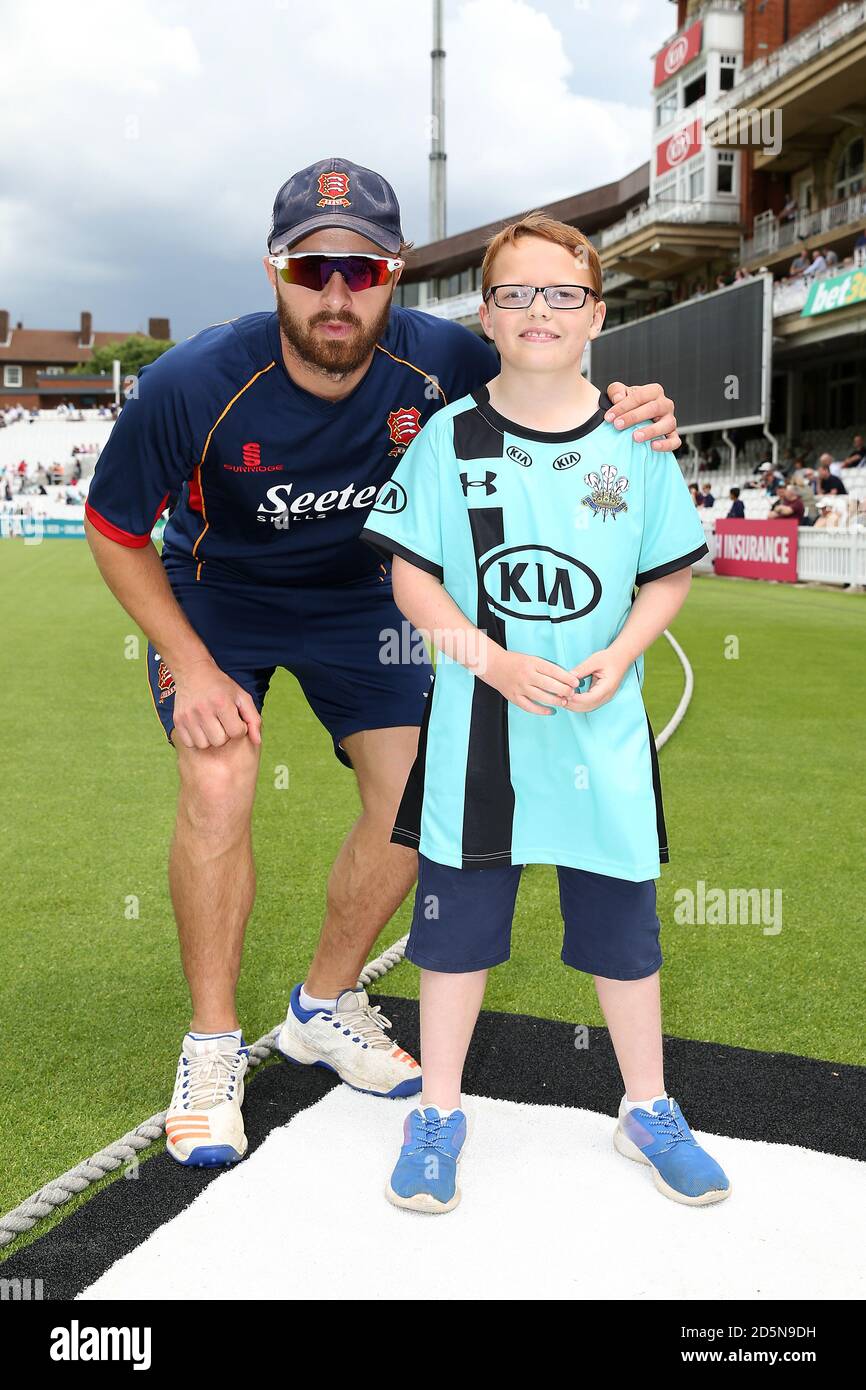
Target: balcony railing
x,y
771,235
668,210
761,74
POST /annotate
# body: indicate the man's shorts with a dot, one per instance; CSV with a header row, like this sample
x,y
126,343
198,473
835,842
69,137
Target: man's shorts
x,y
462,920
335,641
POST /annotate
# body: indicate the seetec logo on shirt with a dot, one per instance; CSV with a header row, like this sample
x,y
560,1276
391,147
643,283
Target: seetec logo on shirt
x,y
283,506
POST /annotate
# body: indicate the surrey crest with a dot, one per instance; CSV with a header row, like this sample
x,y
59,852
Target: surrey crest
x,y
607,492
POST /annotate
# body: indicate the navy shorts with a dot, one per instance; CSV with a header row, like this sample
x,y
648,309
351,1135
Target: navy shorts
x,y
333,640
462,920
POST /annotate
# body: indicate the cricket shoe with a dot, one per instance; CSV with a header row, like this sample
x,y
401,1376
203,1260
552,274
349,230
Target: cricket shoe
x,y
204,1125
682,1170
350,1040
425,1178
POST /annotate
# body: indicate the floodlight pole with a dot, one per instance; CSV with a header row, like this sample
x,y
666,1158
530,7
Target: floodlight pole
x,y
437,129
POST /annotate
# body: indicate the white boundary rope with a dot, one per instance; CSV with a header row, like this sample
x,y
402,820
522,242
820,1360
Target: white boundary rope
x,y
123,1151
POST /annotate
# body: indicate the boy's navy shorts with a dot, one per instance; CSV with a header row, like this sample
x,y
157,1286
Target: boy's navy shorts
x,y
331,639
462,920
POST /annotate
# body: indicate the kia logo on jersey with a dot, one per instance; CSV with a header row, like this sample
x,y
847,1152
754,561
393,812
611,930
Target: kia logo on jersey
x,y
403,424
519,455
566,461
539,584
333,188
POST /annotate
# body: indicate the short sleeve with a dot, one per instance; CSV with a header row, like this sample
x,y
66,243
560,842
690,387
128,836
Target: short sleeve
x,y
405,518
148,456
673,536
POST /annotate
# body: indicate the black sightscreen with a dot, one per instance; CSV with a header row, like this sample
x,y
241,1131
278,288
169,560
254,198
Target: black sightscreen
x,y
707,354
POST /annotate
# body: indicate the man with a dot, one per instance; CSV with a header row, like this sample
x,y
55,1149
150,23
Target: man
x,y
788,504
275,431
707,498
737,508
828,481
857,456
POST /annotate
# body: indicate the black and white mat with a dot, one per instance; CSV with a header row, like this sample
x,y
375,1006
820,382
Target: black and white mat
x,y
549,1210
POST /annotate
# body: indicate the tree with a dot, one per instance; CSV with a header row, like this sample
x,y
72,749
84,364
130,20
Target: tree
x,y
133,353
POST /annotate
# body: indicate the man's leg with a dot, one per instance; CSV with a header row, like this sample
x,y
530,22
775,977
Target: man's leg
x,y
212,874
370,876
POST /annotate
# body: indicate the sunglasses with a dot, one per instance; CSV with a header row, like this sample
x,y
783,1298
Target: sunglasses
x,y
313,269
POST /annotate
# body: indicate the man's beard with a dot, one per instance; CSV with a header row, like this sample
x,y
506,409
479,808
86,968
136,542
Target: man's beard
x,y
333,356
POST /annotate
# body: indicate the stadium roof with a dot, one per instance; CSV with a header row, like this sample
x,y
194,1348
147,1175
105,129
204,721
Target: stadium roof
x,y
590,211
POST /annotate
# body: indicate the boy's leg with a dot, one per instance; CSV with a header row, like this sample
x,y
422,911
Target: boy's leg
x,y
632,1012
450,1005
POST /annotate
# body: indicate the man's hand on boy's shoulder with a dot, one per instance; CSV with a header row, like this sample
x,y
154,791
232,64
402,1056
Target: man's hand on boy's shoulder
x,y
649,407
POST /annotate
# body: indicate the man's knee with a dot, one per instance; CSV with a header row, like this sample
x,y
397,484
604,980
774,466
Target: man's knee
x,y
218,785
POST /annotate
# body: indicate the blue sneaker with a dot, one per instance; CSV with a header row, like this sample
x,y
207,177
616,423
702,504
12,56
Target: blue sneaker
x,y
682,1170
425,1178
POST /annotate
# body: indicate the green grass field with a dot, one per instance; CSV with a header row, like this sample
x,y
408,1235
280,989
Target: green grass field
x,y
762,783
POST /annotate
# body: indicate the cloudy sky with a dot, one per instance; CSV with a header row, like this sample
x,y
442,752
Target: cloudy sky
x,y
143,140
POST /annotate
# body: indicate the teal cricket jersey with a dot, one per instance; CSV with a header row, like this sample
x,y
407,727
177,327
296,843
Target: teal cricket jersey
x,y
540,539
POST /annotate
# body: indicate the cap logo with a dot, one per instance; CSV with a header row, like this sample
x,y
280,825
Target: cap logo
x,y
333,188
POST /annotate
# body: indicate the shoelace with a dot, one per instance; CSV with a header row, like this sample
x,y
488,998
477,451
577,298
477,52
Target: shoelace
x,y
434,1132
672,1130
366,1023
211,1079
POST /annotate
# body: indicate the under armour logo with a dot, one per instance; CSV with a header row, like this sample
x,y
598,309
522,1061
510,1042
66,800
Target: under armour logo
x,y
486,482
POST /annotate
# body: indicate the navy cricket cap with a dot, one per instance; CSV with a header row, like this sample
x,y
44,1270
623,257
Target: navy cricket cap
x,y
335,193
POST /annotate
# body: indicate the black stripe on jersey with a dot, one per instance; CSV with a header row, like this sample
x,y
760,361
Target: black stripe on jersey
x,y
407,826
664,855
488,814
671,566
384,546
475,437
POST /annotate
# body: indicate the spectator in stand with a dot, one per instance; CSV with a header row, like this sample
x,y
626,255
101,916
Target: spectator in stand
x,y
714,458
742,274
737,509
805,491
789,209
860,249
857,456
827,481
772,480
707,498
818,265
693,489
830,257
829,516
800,263
788,504
721,282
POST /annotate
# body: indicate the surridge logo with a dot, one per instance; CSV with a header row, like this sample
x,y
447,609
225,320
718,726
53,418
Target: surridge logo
x,y
538,584
607,493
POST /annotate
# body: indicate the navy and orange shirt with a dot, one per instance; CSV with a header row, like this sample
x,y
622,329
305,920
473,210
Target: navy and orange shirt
x,y
266,481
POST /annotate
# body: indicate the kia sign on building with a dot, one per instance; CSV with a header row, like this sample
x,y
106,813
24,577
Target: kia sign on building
x,y
678,52
757,549
678,148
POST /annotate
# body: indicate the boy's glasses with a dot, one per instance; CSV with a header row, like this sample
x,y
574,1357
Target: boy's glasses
x,y
555,296
313,269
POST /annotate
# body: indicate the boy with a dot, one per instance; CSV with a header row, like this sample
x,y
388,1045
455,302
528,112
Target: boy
x,y
518,522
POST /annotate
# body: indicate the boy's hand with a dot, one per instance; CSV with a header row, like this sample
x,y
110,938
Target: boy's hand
x,y
607,669
530,681
634,405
